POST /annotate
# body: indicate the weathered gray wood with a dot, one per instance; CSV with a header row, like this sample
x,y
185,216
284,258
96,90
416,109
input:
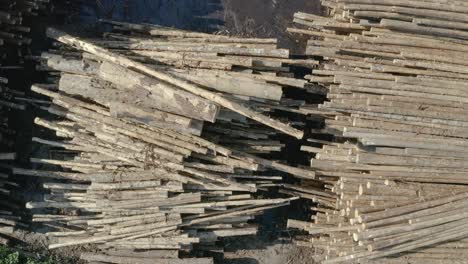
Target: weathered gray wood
x,y
75,66
164,96
395,86
234,85
138,104
105,54
7,156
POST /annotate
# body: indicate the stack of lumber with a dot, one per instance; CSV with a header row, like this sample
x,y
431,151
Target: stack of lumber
x,y
246,77
249,78
7,102
14,47
157,153
14,30
7,219
394,176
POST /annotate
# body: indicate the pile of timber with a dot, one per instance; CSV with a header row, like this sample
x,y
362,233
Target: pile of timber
x,y
14,47
7,102
160,134
7,220
244,76
14,30
394,176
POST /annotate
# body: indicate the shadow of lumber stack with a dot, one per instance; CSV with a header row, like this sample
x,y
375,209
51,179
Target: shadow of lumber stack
x,y
8,220
14,50
394,175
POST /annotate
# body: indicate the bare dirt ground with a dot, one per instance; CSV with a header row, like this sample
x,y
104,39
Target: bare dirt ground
x,y
266,18
255,250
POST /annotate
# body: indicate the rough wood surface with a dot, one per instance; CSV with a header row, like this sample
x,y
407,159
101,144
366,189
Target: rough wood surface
x,y
165,149
391,181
